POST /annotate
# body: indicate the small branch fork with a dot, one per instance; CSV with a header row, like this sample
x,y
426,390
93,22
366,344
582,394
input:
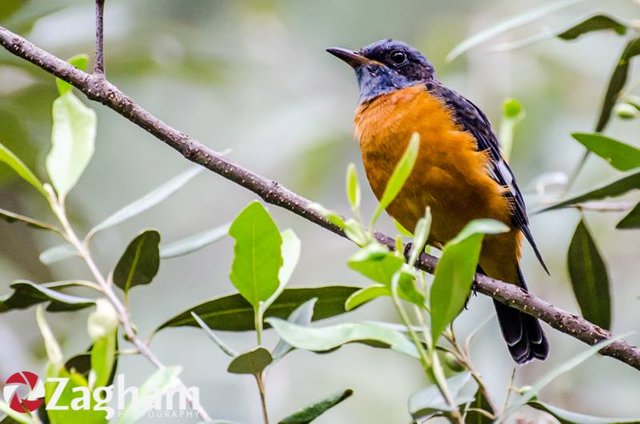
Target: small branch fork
x,y
105,286
95,87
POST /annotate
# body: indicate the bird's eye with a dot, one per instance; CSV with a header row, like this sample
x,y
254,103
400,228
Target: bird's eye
x,y
397,57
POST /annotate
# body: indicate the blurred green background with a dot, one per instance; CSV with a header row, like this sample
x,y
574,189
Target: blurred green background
x,y
253,77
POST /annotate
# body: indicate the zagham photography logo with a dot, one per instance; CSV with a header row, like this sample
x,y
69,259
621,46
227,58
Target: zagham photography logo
x,y
24,392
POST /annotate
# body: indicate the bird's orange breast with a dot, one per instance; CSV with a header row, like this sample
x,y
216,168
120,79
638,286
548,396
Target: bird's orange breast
x,y
450,176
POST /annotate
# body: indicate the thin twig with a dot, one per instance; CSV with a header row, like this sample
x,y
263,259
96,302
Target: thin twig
x,y
99,59
463,355
263,396
100,90
106,287
510,389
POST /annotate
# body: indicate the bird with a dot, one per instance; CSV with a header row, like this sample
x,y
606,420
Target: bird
x,y
460,172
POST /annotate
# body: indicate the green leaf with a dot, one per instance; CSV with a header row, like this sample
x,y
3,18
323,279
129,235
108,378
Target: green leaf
x,y
455,271
621,156
302,315
512,114
598,22
473,414
400,174
103,357
429,401
70,393
407,289
79,61
147,201
26,294
613,189
632,220
335,219
617,82
291,248
330,215
626,111
376,262
328,338
12,217
58,253
257,257
354,231
21,169
151,390
311,412
567,417
252,362
403,231
633,101
366,294
72,142
556,372
353,187
422,230
81,364
234,313
508,25
214,337
589,277
140,262
512,109
193,243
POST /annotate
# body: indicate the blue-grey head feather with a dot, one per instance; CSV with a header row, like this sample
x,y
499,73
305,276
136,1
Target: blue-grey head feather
x,y
394,65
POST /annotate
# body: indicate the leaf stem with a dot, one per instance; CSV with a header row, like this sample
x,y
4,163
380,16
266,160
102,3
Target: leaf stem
x,y
510,389
258,321
263,398
463,355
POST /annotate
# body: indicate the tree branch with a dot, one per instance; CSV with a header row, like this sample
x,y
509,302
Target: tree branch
x,y
99,55
98,89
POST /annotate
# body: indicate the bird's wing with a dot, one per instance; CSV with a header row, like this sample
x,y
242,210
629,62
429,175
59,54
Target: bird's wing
x,y
470,118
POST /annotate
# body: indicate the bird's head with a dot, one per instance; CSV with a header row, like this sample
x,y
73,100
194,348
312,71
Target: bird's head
x,y
385,66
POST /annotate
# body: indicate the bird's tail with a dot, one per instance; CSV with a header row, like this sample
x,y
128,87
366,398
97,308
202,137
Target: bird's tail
x,y
524,336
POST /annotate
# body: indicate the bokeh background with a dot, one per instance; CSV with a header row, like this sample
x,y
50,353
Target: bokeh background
x,y
253,77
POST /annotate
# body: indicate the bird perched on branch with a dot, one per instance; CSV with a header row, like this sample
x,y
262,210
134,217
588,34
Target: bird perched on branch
x,y
460,173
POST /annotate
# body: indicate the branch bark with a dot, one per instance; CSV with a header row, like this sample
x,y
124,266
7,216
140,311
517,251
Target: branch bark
x,y
97,88
99,57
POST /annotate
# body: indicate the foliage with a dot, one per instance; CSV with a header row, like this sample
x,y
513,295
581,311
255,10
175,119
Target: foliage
x,y
265,258
589,277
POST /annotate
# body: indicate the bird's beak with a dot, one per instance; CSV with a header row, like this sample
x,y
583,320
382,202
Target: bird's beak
x,y
353,59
